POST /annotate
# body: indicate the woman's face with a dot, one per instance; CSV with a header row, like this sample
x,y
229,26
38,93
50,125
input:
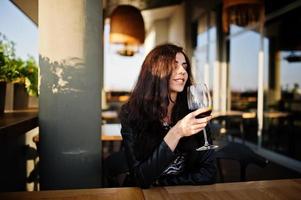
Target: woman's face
x,y
179,75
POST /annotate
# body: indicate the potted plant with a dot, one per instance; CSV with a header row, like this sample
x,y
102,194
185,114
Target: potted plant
x,y
24,74
26,82
7,67
28,75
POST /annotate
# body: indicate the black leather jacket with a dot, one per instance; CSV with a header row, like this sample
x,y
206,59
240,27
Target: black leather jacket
x,y
147,171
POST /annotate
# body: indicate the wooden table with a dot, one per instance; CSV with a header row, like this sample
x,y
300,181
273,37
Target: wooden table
x,y
18,121
289,189
109,116
79,194
230,113
13,126
268,190
234,113
249,115
111,132
276,114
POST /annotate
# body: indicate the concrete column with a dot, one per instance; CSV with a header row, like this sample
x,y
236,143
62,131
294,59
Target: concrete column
x,y
188,5
274,73
70,49
216,85
177,27
277,76
161,27
223,94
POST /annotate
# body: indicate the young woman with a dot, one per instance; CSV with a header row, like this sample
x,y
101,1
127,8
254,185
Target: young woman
x,y
160,135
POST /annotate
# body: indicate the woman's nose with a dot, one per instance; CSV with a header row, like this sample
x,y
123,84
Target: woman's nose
x,y
181,69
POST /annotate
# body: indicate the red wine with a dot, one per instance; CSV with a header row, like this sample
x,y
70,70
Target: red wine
x,y
203,114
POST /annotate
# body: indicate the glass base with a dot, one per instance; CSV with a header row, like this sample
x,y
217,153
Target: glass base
x,y
204,148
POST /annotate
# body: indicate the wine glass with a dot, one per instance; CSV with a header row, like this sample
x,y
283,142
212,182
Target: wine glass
x,y
198,96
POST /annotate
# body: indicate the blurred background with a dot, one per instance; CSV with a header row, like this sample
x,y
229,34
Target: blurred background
x,y
247,51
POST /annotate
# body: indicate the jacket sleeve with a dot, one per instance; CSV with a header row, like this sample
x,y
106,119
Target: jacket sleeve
x,y
145,172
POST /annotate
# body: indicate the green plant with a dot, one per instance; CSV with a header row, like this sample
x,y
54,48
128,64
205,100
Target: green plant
x,y
16,70
28,74
8,66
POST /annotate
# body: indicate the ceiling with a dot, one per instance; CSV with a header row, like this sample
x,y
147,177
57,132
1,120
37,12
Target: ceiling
x,y
152,15
30,7
109,5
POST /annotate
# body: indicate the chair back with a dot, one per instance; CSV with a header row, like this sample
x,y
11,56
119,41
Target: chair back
x,y
240,153
115,169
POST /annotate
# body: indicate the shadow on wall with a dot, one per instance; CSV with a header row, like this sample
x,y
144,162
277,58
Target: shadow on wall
x,y
69,94
60,75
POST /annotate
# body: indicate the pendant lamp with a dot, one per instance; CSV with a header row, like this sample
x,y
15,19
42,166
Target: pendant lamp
x,y
127,28
242,13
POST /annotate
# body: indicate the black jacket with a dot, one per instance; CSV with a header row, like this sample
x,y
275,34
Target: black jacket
x,y
147,165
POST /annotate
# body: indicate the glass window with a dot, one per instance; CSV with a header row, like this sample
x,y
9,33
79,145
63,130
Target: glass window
x,y
282,111
244,49
282,116
243,75
282,78
205,53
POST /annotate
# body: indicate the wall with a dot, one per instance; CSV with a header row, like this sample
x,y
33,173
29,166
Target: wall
x,y
177,27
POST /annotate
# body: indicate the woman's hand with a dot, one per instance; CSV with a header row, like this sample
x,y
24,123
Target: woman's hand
x,y
191,125
187,126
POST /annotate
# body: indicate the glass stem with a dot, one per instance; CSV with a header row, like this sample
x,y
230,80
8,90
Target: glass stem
x,y
205,137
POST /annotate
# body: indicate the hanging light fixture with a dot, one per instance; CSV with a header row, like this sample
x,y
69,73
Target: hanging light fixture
x,y
127,28
242,13
292,57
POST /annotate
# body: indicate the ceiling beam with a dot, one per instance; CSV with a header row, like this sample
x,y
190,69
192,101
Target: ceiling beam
x,y
29,8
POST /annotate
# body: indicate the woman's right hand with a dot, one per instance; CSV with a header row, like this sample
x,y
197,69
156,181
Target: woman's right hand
x,y
185,127
191,125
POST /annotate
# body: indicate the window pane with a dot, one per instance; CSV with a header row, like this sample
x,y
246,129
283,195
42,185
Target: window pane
x,y
282,116
244,49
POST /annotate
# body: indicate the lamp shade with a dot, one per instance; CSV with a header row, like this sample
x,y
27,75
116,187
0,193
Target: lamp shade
x,y
242,12
127,26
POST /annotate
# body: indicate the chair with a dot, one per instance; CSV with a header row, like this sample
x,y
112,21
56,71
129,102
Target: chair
x,y
115,169
232,125
34,174
241,153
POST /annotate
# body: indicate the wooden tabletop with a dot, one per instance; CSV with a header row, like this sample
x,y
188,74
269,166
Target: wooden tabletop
x,y
234,113
268,190
276,114
111,132
289,189
111,137
18,121
79,194
226,113
249,115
